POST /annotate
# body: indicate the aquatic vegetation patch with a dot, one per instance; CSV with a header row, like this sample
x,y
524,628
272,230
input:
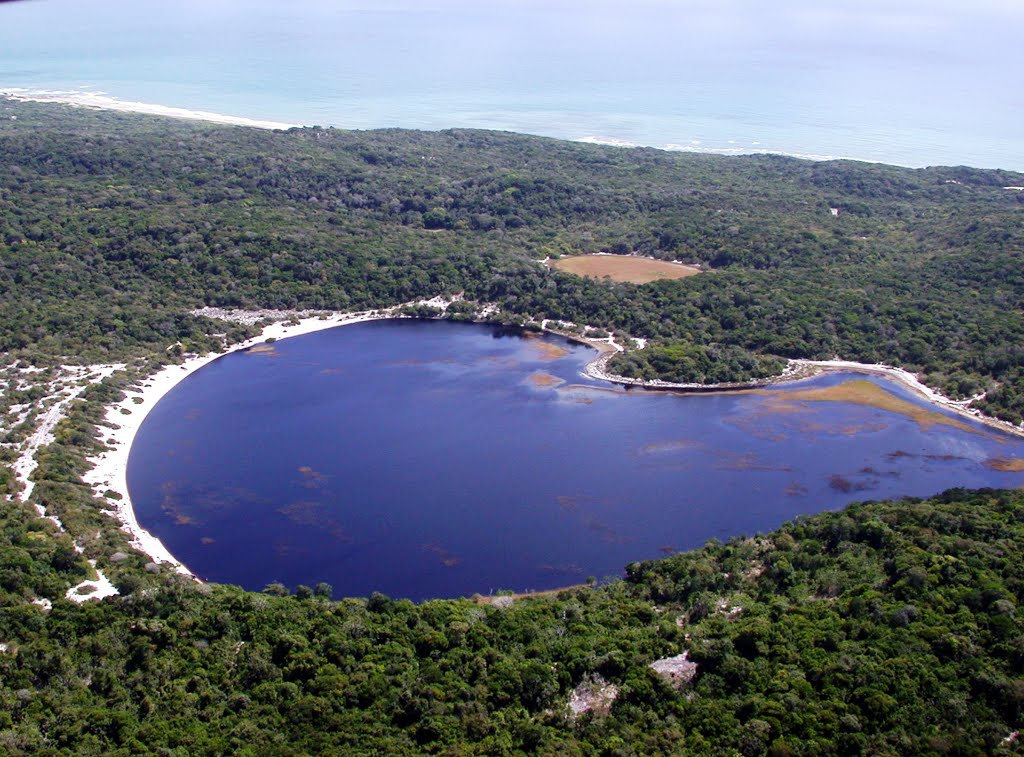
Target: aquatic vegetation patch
x,y
544,380
1006,464
544,348
446,558
868,394
671,445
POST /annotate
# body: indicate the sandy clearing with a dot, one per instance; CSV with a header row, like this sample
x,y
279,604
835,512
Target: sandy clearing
x,y
623,268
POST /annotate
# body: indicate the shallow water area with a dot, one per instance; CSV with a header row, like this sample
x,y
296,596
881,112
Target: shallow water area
x,y
428,459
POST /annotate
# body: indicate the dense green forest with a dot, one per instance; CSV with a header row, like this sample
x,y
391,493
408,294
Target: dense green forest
x,y
885,628
113,227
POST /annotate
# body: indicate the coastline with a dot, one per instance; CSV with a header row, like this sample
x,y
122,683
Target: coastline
x,y
101,101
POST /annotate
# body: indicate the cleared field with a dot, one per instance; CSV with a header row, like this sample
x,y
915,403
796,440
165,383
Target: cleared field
x,y
624,268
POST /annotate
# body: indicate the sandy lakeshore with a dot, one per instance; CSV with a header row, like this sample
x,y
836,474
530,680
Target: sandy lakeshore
x,y
110,471
126,417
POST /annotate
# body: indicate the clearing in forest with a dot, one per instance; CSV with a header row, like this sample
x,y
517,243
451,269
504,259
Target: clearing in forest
x,y
634,270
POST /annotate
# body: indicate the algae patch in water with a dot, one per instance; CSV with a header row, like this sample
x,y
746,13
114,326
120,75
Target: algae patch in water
x,y
868,394
1006,464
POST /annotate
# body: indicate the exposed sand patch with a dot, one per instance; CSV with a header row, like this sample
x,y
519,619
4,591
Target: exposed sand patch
x,y
677,671
92,589
69,383
504,600
624,268
594,695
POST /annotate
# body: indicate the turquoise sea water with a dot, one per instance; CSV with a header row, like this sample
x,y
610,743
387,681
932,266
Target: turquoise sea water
x,y
906,82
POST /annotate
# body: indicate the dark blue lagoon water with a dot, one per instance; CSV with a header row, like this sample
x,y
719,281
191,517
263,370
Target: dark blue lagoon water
x,y
428,459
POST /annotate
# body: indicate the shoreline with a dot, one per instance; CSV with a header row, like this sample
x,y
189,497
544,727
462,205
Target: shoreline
x,y
109,472
102,101
801,370
110,467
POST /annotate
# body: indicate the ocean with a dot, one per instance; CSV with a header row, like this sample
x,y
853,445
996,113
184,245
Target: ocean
x,y
905,82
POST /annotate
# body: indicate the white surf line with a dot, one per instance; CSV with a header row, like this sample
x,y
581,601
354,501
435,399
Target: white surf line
x,y
101,101
123,419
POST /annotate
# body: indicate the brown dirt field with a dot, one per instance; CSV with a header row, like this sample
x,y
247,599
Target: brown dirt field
x,y
624,268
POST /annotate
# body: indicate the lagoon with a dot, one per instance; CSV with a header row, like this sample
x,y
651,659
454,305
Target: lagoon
x,y
435,459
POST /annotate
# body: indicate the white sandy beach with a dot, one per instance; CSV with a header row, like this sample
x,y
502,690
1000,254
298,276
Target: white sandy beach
x,y
105,102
